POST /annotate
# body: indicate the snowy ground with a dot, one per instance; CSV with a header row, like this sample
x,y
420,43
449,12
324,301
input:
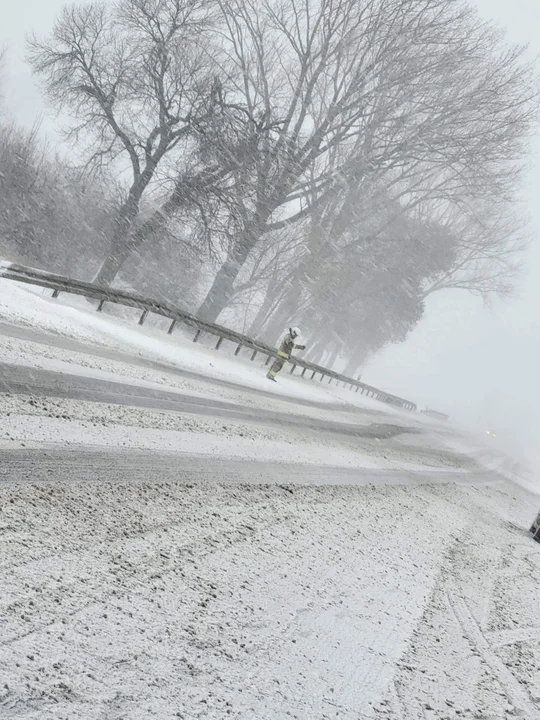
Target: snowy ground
x,y
177,595
167,600
193,599
38,355
116,328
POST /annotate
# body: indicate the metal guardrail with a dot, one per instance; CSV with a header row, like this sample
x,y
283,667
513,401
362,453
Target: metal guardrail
x,y
58,284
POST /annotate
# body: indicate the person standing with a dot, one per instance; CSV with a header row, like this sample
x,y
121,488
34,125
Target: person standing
x,y
288,344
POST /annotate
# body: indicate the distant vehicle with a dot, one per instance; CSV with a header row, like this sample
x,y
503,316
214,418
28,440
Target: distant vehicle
x,y
535,528
436,414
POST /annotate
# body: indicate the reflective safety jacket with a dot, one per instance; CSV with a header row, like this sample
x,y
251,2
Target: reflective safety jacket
x,y
287,346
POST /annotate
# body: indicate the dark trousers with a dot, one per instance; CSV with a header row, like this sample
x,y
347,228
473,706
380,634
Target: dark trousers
x,y
276,367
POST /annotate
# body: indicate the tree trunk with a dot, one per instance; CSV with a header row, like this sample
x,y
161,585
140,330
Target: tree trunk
x,y
266,308
222,290
118,254
285,313
294,288
333,356
121,247
316,352
355,362
279,321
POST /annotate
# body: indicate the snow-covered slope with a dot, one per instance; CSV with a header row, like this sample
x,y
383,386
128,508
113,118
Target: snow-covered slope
x,y
116,328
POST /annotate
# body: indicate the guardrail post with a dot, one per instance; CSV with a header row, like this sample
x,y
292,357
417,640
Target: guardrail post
x,y
313,374
268,360
100,306
254,355
329,380
238,349
218,344
293,369
171,328
197,335
56,293
143,317
303,372
357,388
321,378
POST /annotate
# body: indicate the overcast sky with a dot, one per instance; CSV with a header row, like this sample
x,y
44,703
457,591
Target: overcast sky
x,y
480,364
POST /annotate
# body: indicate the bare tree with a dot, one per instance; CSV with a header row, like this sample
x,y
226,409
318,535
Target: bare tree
x,y
136,76
366,264
224,141
404,88
489,243
321,108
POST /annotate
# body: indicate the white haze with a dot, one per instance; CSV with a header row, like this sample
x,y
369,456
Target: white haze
x,y
481,364
478,363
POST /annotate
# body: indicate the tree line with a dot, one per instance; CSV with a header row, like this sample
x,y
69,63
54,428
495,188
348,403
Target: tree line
x,y
331,162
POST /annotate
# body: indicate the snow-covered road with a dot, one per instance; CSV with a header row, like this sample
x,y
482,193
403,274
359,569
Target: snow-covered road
x,y
172,599
47,383
61,395
119,465
178,543
71,348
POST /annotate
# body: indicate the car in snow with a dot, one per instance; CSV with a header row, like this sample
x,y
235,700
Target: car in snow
x,y
535,528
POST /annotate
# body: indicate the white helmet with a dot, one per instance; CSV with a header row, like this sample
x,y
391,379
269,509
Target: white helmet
x,y
295,332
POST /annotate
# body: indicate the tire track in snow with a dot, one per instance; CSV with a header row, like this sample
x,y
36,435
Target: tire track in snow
x,y
478,640
492,550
